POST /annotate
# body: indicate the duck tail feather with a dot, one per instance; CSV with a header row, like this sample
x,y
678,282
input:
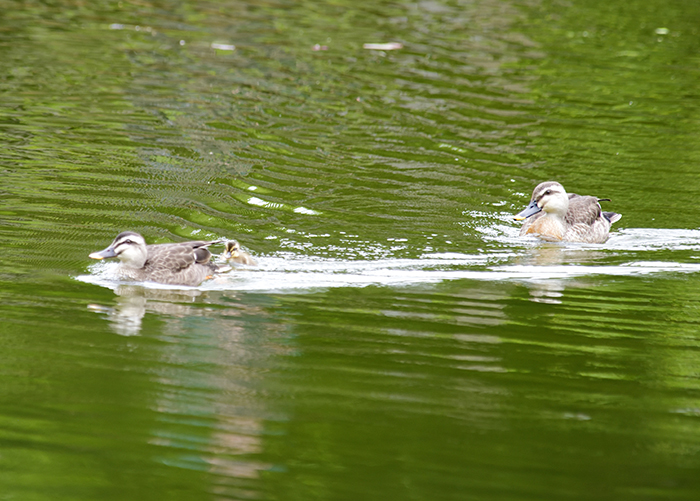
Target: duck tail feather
x,y
613,217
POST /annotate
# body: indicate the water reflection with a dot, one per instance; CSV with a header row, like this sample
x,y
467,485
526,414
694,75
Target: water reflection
x,y
133,301
213,384
398,339
555,256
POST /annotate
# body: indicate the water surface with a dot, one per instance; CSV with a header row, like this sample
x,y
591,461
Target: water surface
x,y
398,340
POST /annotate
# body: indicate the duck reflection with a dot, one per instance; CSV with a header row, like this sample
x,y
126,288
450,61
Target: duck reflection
x,y
557,254
207,370
549,292
555,263
133,301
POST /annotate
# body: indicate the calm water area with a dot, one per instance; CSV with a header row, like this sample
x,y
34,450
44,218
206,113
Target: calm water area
x,y
398,339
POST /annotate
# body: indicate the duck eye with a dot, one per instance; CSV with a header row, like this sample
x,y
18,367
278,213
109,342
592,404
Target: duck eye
x,y
127,241
548,192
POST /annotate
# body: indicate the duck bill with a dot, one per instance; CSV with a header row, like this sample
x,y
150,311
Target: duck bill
x,y
103,254
528,211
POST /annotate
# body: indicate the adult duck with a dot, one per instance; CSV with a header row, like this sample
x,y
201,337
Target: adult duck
x,y
555,215
182,263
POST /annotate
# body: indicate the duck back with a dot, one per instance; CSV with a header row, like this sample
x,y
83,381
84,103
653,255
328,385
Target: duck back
x,y
184,263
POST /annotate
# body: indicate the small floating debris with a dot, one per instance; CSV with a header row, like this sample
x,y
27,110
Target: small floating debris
x,y
120,26
319,47
383,46
223,46
662,31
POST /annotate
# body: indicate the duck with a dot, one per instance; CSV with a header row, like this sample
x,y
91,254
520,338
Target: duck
x,y
182,263
555,215
234,254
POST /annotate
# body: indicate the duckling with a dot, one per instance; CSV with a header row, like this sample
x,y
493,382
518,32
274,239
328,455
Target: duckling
x,y
233,253
183,263
554,215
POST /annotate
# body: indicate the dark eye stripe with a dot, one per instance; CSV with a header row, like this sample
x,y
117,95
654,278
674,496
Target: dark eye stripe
x,y
548,192
121,246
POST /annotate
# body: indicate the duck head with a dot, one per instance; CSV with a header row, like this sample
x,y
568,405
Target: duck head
x,y
232,249
129,247
234,254
550,197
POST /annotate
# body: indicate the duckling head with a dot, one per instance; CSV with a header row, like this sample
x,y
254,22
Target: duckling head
x,y
129,247
550,197
234,254
232,249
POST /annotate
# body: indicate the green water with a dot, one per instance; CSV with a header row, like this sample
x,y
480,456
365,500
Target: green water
x,y
398,340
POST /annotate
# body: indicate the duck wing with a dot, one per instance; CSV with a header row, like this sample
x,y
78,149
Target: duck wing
x,y
588,206
178,256
586,222
582,210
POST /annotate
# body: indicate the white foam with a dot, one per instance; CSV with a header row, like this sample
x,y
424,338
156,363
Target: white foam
x,y
289,272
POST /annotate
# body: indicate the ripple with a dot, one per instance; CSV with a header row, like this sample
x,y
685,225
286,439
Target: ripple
x,y
290,272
